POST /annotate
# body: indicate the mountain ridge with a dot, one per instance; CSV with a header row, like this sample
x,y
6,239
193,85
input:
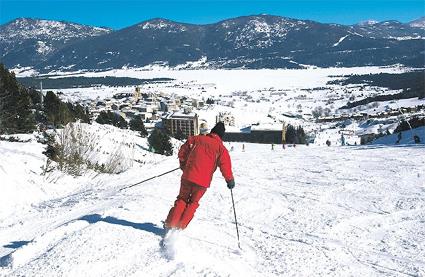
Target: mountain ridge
x,y
256,41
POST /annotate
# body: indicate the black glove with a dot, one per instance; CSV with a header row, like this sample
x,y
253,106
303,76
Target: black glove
x,y
182,165
231,184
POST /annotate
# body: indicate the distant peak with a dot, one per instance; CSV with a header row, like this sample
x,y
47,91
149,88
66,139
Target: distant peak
x,y
388,22
418,23
161,23
28,22
159,20
368,22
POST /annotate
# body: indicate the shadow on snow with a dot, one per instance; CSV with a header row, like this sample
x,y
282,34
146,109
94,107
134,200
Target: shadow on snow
x,y
379,146
17,244
147,226
7,259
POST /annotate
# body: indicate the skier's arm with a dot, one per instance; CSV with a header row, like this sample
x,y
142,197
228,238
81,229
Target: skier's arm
x,y
184,152
225,165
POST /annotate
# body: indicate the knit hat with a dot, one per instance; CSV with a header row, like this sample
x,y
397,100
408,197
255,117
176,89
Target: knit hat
x,y
203,128
219,129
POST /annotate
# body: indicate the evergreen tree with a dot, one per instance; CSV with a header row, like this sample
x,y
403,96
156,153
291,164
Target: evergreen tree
x,y
21,108
51,150
179,135
65,115
60,113
301,137
103,118
136,124
78,112
160,142
25,121
144,132
35,98
52,107
295,135
111,118
16,115
290,135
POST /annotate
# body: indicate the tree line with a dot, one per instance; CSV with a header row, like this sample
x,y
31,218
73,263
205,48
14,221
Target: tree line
x,y
84,82
295,135
412,84
22,109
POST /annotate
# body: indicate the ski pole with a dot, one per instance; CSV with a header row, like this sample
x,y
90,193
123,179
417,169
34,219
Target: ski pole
x,y
148,179
236,221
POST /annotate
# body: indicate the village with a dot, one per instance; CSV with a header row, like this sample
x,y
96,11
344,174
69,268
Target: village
x,y
173,112
183,114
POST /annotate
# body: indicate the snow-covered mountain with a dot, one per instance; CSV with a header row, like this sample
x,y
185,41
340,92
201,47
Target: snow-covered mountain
x,y
260,41
418,23
26,41
368,22
390,29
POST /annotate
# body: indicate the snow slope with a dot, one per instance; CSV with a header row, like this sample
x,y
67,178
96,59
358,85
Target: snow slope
x,y
304,211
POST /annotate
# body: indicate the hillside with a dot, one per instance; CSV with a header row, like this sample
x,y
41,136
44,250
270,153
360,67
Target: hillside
x,y
26,42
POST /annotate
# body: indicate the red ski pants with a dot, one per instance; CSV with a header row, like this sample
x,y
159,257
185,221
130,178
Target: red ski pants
x,y
185,206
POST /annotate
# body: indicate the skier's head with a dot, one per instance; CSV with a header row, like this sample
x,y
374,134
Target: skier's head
x,y
203,128
219,129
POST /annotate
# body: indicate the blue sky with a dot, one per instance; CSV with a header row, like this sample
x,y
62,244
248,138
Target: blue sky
x,y
119,14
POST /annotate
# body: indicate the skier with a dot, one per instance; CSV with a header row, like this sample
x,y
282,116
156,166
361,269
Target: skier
x,y
417,139
199,157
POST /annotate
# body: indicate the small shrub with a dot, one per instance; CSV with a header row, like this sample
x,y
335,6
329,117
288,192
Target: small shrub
x,y
74,150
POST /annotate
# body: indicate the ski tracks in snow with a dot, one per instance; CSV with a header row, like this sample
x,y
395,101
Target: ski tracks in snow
x,y
305,211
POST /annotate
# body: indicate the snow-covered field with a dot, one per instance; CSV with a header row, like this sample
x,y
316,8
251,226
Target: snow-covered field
x,y
303,211
213,83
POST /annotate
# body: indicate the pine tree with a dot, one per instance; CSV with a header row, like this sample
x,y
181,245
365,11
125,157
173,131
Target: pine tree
x,y
295,135
290,135
111,118
16,115
136,124
52,107
301,137
65,114
160,142
58,112
143,133
25,121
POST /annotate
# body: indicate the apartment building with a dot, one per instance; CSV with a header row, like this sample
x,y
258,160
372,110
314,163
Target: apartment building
x,y
186,122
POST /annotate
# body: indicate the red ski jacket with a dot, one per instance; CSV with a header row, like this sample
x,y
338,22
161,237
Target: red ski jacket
x,y
199,157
